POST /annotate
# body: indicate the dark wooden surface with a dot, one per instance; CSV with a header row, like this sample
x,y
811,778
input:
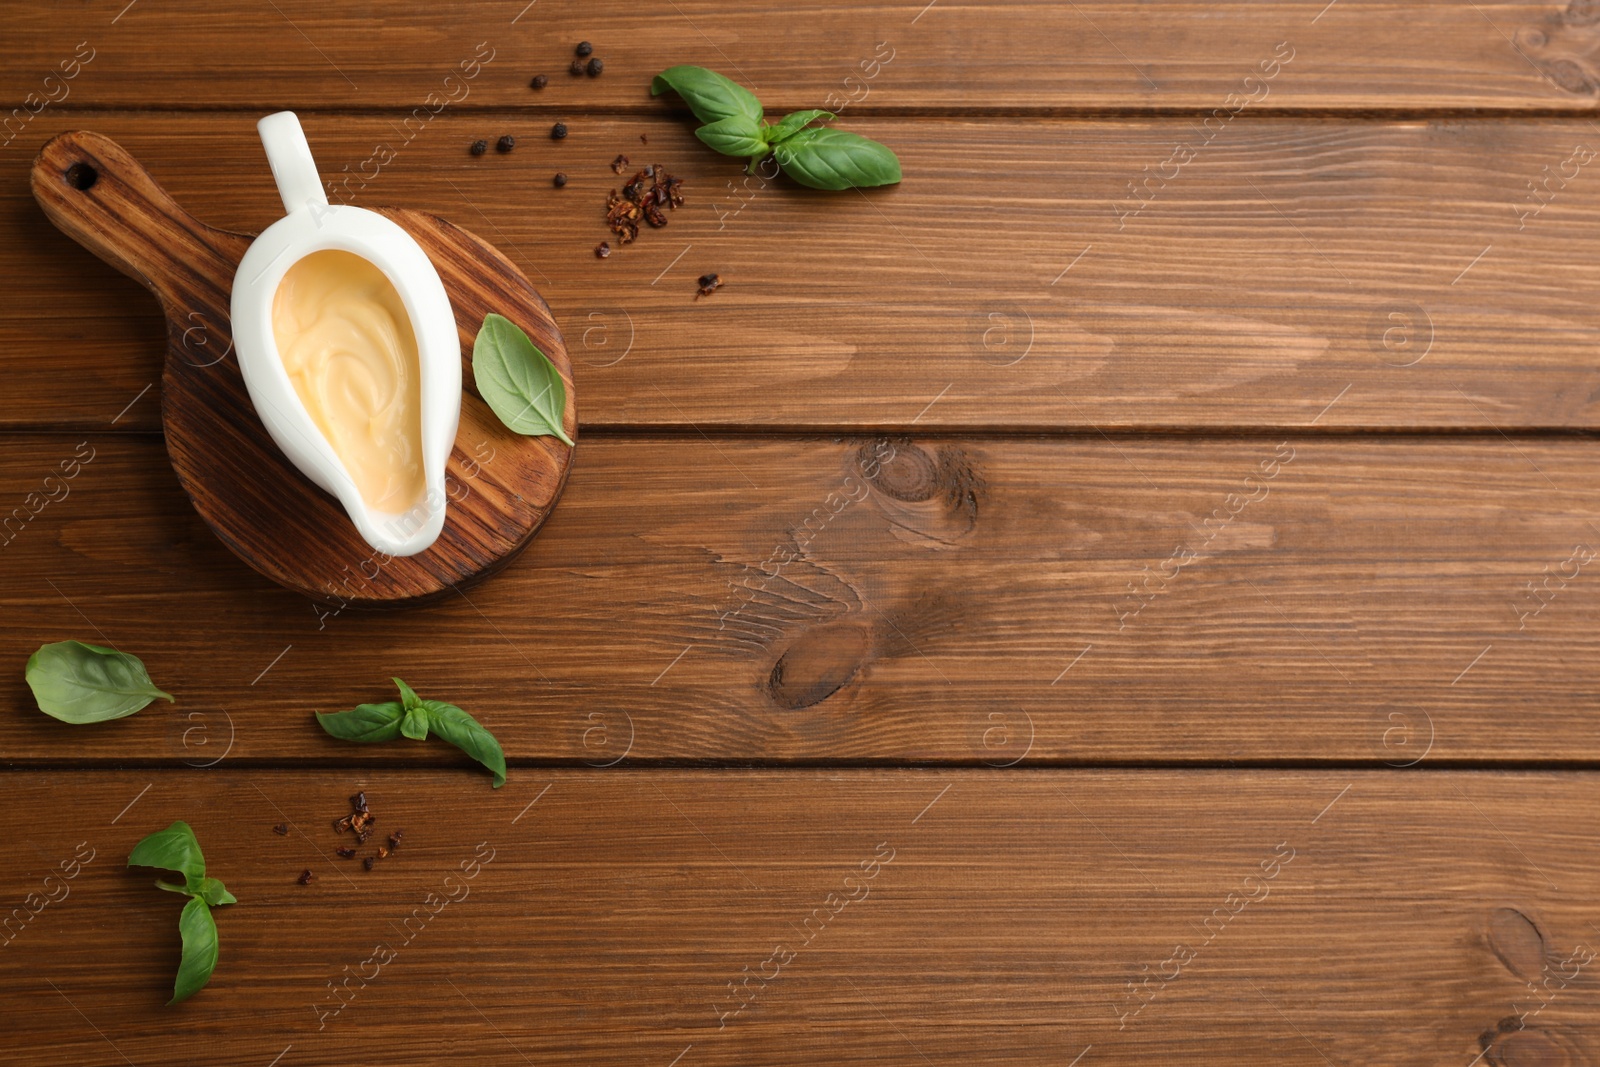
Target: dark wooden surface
x,y
1087,555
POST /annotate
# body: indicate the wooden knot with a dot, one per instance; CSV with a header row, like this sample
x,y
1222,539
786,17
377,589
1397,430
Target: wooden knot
x,y
899,469
930,498
1531,1048
818,663
1518,941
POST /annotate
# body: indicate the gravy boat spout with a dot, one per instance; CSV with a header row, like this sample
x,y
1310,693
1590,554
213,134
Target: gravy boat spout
x,y
349,350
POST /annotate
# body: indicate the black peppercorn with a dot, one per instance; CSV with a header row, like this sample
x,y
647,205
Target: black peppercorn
x,y
576,69
558,131
595,67
539,81
559,180
505,144
584,48
479,147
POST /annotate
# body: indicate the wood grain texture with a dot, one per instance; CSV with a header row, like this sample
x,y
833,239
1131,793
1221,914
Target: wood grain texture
x,y
921,916
1350,55
1257,599
263,508
1402,268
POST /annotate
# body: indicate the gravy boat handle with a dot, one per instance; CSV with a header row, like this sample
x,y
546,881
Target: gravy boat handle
x,y
293,169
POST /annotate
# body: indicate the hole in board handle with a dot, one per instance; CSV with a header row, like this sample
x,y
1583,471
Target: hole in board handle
x,y
81,176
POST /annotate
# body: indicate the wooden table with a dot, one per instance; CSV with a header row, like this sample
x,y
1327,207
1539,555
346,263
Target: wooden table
x,y
1127,594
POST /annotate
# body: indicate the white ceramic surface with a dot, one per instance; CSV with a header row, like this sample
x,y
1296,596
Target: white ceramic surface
x,y
313,225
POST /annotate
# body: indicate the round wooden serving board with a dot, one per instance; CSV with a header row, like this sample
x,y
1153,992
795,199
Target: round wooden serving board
x,y
501,484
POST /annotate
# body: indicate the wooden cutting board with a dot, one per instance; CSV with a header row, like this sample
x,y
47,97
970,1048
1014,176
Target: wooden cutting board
x,y
501,484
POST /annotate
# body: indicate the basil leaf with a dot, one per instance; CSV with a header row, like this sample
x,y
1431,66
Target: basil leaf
x,y
364,722
80,683
827,158
200,950
408,696
213,892
709,95
173,849
463,731
415,724
792,124
518,381
735,136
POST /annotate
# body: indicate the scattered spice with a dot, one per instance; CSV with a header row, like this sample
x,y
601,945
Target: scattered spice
x,y
383,852
341,825
394,838
539,81
362,835
595,67
346,852
643,198
602,250
619,164
305,877
359,802
584,48
709,283
479,147
643,139
369,862
559,180
505,144
576,70
282,829
558,131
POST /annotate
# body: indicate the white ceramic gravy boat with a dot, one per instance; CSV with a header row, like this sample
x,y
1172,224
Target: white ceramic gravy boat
x,y
312,225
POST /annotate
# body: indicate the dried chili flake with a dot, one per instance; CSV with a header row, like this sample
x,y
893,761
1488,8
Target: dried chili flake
x,y
709,283
383,852
345,852
646,194
359,801
602,250
394,838
282,829
619,164
305,877
369,862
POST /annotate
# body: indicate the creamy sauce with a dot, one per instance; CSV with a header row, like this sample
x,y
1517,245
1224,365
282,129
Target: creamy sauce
x,y
345,339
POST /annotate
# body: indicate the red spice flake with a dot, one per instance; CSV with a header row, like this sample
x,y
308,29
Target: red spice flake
x,y
383,852
305,877
643,139
282,829
619,164
341,825
369,862
346,853
602,250
394,838
709,283
359,801
643,197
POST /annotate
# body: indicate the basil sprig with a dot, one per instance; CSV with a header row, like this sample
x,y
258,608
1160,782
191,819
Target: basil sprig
x,y
824,158
413,717
518,381
176,849
80,683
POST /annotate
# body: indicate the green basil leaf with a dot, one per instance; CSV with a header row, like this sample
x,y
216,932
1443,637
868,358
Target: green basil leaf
x,y
792,124
80,683
466,733
709,95
517,380
200,950
735,136
408,696
213,892
173,849
415,723
828,158
364,722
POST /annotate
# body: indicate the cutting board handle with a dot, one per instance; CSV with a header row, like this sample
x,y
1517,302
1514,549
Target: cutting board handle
x,y
100,196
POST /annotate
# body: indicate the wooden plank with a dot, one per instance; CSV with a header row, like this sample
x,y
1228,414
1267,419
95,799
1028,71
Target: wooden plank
x,y
979,600
1193,54
1001,917
1400,269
